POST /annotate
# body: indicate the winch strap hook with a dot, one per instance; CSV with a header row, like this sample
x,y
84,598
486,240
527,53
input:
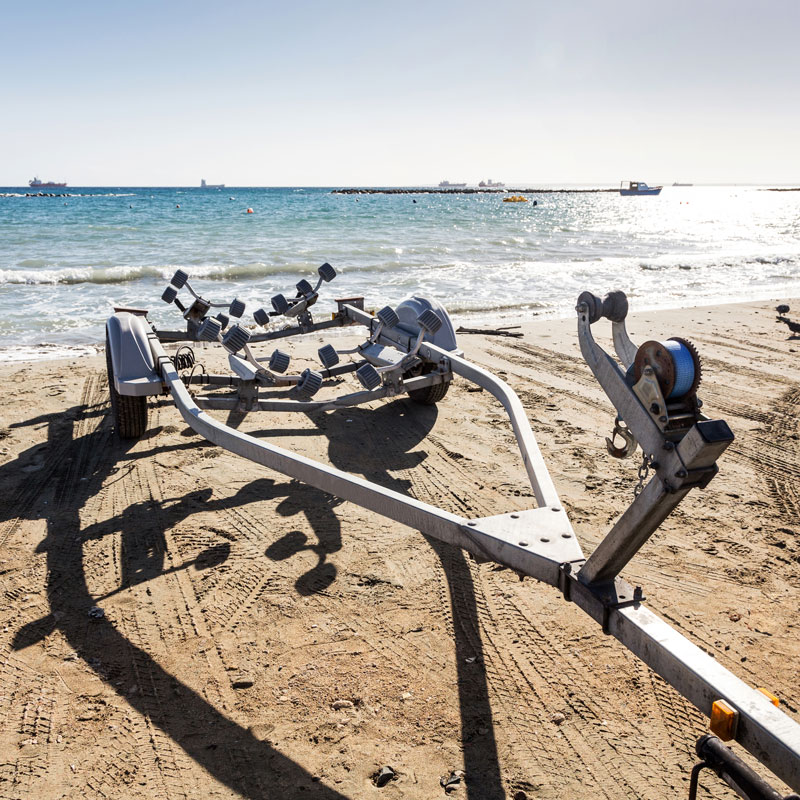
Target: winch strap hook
x,y
629,446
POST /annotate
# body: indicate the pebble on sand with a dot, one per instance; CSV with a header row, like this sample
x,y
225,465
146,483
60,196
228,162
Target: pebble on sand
x,y
383,776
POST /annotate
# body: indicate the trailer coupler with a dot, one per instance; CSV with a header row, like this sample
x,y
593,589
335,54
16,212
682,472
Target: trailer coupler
x,y
728,766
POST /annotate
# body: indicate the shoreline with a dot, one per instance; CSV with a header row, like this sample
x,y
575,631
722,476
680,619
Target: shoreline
x,y
42,351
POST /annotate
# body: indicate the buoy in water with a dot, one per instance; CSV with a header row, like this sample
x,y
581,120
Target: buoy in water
x,y
177,205
249,210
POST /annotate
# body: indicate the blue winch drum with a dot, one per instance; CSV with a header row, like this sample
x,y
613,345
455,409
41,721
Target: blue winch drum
x,y
684,367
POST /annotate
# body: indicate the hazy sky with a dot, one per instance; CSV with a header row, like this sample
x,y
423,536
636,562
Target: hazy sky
x,y
398,93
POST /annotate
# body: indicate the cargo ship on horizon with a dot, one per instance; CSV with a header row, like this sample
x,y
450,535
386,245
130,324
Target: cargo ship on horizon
x,y
37,184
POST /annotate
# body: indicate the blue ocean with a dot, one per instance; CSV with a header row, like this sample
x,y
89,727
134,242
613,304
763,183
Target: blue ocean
x,y
66,260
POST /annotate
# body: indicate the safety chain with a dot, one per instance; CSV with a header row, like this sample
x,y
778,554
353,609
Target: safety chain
x,y
644,470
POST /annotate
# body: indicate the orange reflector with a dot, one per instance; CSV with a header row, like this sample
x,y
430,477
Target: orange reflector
x,y
771,697
723,720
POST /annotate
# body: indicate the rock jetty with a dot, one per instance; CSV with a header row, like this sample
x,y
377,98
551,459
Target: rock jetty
x,y
423,190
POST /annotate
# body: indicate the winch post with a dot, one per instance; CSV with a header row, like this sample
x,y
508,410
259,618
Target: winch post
x,y
631,531
695,456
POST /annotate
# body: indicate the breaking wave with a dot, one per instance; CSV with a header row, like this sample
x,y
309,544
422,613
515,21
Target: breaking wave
x,y
115,275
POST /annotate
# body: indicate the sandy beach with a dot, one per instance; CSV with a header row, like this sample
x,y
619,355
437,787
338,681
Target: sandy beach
x,y
182,623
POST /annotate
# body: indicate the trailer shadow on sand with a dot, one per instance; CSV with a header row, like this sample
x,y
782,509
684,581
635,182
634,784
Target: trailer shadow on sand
x,y
83,459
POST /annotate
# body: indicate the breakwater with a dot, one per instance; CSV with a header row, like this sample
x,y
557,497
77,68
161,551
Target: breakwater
x,y
423,190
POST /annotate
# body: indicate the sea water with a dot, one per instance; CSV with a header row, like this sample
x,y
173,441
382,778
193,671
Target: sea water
x,y
66,261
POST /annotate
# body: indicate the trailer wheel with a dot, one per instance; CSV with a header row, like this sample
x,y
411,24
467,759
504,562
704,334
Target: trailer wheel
x,y
427,395
130,413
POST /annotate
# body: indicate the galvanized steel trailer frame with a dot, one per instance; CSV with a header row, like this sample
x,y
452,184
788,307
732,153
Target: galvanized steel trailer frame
x,y
538,542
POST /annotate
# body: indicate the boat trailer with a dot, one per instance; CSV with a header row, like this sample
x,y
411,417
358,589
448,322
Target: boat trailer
x,y
412,350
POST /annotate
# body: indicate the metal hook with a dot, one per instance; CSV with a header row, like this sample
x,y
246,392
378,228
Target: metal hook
x,y
629,447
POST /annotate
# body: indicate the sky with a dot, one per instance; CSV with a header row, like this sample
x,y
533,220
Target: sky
x,y
352,93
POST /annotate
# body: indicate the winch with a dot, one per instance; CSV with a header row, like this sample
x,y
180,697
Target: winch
x,y
665,376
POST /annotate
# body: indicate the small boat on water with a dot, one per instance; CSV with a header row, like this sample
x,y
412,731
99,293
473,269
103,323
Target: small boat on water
x,y
627,188
515,198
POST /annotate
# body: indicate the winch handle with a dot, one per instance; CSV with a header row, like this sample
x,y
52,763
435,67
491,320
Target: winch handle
x,y
614,306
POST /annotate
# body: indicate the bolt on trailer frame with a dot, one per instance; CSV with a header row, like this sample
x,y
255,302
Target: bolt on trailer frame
x,y
412,350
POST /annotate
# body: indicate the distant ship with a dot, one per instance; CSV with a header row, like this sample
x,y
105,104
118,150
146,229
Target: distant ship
x,y
204,185
683,184
37,184
448,185
490,184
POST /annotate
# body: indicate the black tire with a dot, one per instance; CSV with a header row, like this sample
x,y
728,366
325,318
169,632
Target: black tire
x,y
427,395
130,413
430,395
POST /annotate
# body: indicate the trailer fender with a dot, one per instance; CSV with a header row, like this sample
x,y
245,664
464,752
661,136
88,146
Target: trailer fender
x,y
410,308
132,362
